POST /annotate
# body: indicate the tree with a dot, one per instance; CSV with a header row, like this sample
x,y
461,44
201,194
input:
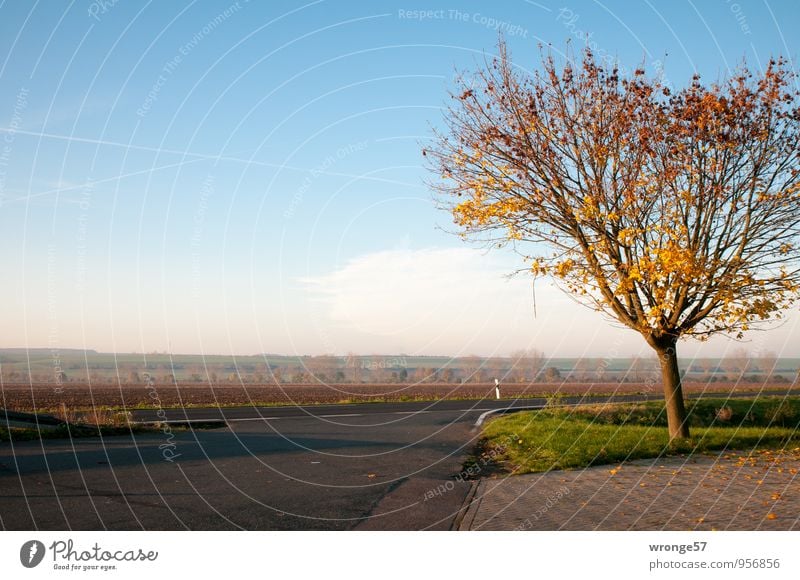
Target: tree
x,y
496,368
354,362
321,367
551,374
634,369
641,368
526,365
583,367
674,212
738,363
601,369
767,363
420,375
314,368
472,367
196,373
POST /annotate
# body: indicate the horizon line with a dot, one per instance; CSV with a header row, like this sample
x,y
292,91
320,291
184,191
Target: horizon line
x,y
56,350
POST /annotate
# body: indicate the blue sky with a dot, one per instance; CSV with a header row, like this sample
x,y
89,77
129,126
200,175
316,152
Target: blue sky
x,y
246,177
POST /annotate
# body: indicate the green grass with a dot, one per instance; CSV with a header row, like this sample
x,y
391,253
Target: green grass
x,y
567,438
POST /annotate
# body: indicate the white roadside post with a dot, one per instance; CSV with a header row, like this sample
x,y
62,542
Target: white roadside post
x,y
497,388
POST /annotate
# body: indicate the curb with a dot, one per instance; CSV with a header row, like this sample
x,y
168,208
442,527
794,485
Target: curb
x,y
483,416
464,509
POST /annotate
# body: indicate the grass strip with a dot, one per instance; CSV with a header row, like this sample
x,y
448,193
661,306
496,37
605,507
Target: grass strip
x,y
577,437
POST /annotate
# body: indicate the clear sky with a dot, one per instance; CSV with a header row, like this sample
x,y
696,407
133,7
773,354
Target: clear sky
x,y
246,177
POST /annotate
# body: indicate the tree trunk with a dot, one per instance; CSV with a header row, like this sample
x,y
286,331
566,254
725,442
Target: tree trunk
x,y
673,391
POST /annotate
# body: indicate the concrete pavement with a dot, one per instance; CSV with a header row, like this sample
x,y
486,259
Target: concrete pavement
x,y
728,491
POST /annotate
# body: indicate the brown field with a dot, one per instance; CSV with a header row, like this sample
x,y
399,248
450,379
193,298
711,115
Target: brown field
x,y
42,397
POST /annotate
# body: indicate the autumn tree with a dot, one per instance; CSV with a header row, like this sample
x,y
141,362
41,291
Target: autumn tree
x,y
354,362
551,374
526,365
583,367
767,363
675,212
738,363
321,368
634,368
472,366
495,368
641,368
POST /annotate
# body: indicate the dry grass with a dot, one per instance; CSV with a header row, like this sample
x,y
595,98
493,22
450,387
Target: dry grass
x,y
94,416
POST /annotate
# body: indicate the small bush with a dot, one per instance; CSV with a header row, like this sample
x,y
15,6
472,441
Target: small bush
x,y
724,414
782,414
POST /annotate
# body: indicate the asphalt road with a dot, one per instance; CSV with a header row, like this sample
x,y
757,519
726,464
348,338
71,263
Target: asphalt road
x,y
365,466
321,467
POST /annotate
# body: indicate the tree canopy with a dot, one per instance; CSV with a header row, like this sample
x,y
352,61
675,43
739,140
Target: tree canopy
x,y
677,212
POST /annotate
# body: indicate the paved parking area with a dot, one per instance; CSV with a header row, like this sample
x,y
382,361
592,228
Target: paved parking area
x,y
729,491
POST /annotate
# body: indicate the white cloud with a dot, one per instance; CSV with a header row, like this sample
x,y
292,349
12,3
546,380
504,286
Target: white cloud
x,y
433,300
460,301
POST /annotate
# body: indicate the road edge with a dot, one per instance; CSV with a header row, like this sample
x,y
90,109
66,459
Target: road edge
x,y
486,414
458,524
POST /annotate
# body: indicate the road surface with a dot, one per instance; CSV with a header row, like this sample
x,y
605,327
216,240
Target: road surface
x,y
362,466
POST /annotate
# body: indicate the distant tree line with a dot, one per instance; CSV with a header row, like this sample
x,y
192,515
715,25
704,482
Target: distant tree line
x,y
523,366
